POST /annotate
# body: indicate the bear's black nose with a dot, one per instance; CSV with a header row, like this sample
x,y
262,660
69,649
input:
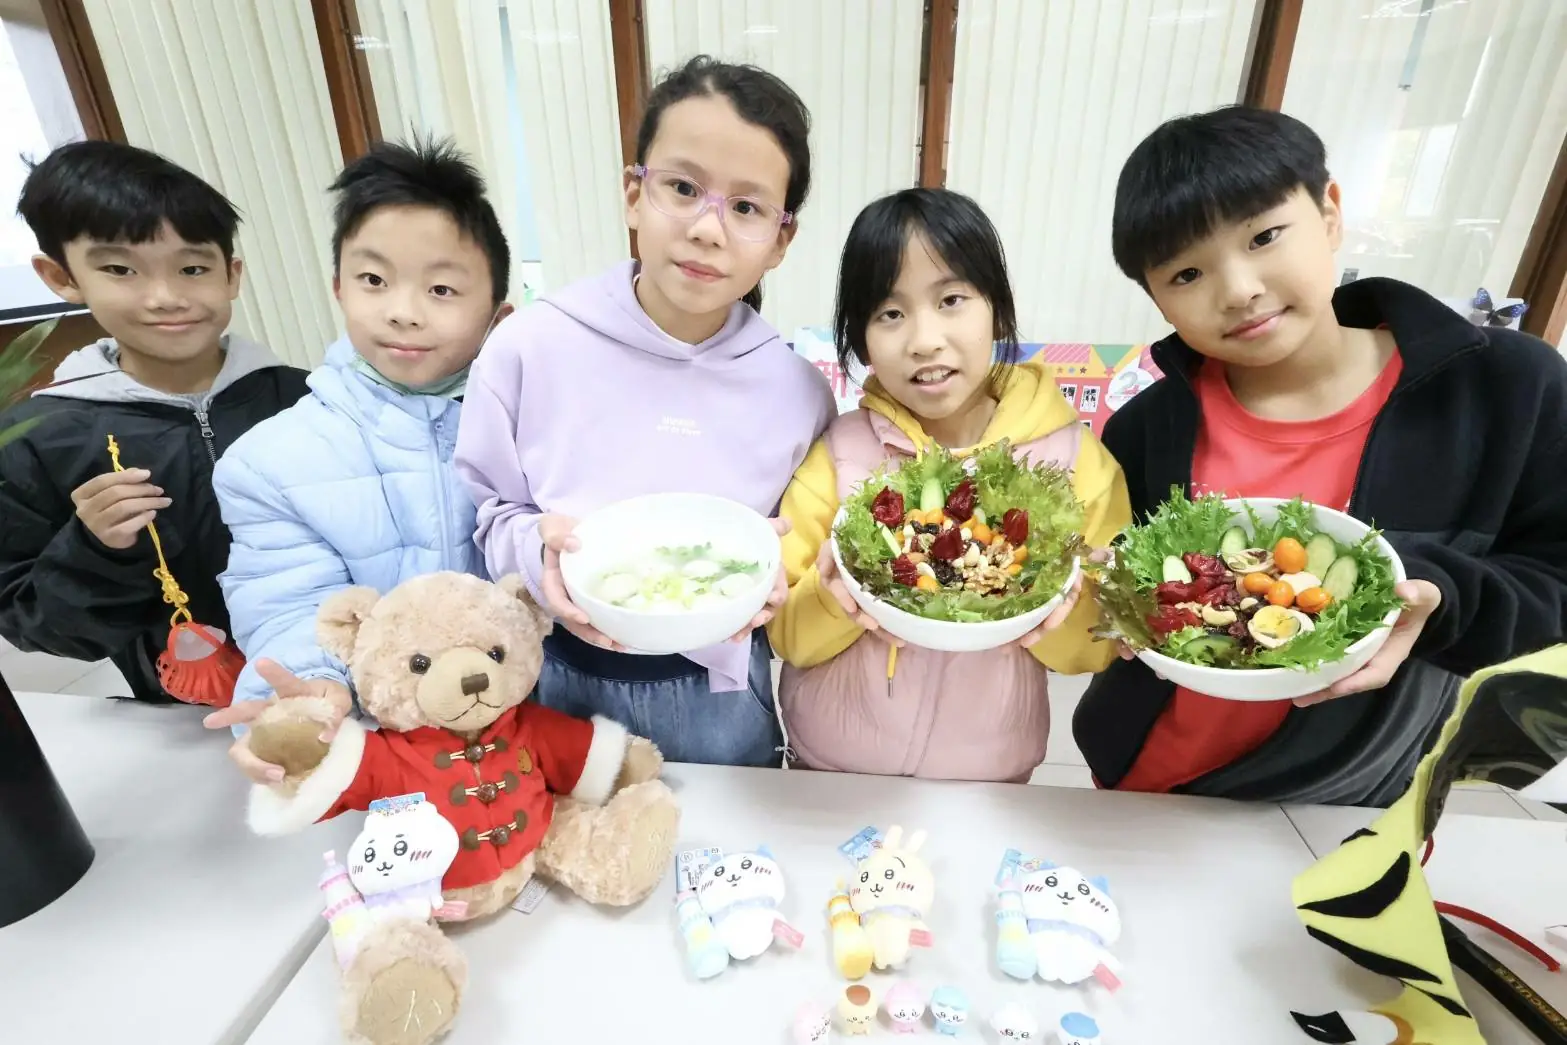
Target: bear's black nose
x,y
472,684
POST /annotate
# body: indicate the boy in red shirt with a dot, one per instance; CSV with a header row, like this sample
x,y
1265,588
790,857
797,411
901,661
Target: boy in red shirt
x,y
1373,398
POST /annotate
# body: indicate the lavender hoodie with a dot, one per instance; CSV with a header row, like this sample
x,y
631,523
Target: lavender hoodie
x,y
581,400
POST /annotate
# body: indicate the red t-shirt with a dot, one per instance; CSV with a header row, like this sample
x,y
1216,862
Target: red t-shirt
x,y
1242,455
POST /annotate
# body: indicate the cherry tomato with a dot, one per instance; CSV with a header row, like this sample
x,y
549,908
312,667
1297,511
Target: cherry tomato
x,y
1256,583
1313,600
1289,555
1280,593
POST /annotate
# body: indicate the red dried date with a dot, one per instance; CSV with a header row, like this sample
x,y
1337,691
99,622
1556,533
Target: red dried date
x,y
1220,596
1171,592
905,572
1200,589
1014,526
887,508
949,545
960,502
1205,566
1171,619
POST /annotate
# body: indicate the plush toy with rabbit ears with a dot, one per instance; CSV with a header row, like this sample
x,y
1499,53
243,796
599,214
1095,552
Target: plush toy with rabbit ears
x,y
895,836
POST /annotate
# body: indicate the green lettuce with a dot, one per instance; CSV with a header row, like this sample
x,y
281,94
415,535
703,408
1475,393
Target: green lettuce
x,y
1055,521
1182,525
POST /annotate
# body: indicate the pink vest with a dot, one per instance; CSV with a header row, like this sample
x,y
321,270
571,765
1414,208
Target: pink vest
x,y
962,716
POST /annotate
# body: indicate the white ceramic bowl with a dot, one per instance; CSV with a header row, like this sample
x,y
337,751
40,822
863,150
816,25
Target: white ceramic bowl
x,y
1283,683
627,530
946,635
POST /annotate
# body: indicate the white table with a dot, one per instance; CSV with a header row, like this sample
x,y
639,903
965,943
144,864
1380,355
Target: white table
x,y
1510,870
186,926
1172,863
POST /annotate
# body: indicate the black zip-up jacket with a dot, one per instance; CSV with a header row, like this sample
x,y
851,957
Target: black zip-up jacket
x,y
61,590
1464,470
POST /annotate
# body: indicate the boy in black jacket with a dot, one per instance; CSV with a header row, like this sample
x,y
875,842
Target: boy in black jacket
x,y
148,247
1373,398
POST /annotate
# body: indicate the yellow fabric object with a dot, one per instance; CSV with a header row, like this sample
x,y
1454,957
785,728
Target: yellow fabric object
x,y
1369,900
812,628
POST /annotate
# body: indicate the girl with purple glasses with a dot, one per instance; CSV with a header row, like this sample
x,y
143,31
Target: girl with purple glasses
x,y
658,376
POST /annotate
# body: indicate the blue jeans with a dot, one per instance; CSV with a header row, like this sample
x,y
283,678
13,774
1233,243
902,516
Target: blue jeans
x,y
679,713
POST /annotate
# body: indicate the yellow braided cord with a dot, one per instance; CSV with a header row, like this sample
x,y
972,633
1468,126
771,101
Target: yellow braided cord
x,y
172,593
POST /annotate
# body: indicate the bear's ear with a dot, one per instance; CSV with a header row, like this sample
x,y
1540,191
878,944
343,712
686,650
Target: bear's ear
x,y
512,584
339,618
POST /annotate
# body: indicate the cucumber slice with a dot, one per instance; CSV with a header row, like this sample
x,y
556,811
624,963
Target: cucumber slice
x,y
1208,649
891,539
932,496
1175,570
1234,541
1320,553
1340,579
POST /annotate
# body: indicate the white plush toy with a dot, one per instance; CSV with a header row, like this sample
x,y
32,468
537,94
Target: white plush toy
x,y
394,872
1015,1023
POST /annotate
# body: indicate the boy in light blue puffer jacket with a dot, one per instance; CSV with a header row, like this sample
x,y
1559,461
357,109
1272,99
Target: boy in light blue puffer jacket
x,y
354,485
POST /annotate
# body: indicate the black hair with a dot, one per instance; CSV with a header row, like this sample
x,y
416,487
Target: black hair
x,y
1196,173
423,173
116,193
960,235
760,98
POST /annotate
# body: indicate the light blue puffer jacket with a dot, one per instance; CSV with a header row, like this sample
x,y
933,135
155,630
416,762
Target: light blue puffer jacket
x,y
353,485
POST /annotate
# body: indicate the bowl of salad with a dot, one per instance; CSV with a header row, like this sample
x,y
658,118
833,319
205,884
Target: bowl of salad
x,y
1251,599
960,555
671,573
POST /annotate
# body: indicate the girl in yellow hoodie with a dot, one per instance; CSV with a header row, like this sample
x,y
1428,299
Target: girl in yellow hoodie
x,y
924,301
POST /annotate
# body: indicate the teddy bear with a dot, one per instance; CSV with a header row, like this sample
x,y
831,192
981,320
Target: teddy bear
x,y
445,664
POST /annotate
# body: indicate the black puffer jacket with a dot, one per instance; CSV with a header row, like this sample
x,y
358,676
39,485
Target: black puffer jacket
x,y
1465,471
63,592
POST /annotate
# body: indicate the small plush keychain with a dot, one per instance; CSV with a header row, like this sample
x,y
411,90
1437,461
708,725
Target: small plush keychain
x,y
1015,1023
857,1009
905,1007
812,1023
200,665
1078,1029
949,1007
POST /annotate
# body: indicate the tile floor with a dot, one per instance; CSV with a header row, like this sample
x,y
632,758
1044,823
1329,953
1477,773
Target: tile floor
x,y
1063,765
